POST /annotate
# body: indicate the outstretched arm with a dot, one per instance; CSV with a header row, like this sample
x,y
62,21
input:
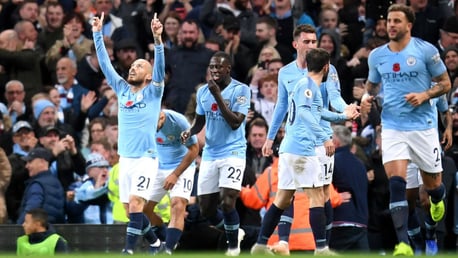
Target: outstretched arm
x,y
159,59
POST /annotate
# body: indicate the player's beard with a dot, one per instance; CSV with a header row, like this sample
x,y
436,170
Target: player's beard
x,y
135,82
398,36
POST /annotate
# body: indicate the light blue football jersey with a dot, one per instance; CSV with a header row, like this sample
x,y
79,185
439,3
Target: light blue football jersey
x,y
303,131
410,70
221,141
168,139
138,112
288,77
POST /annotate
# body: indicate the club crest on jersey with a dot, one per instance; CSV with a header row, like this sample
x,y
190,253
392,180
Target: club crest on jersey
x,y
226,102
396,67
308,93
411,61
171,137
241,100
436,58
159,140
214,107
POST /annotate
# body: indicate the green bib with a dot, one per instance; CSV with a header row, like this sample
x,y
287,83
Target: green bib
x,y
46,247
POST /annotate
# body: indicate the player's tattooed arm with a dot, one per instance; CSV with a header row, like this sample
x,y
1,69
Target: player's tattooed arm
x,y
442,86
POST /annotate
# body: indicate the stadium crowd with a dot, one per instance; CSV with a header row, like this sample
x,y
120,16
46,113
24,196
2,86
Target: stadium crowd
x,y
57,106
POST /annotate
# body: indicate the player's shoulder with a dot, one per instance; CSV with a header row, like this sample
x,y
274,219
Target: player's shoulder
x,y
236,83
286,68
379,50
422,44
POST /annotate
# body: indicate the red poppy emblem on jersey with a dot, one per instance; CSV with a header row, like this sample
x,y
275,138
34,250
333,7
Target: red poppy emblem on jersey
x,y
396,67
129,103
214,107
159,140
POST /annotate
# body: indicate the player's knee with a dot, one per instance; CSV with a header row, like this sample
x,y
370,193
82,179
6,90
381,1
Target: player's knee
x,y
178,205
136,204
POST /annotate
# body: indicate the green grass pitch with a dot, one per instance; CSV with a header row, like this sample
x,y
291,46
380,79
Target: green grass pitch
x,y
219,254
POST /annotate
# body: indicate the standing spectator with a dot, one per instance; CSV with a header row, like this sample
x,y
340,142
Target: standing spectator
x,y
428,20
256,163
89,74
139,107
16,11
43,189
114,26
39,238
176,172
266,35
213,13
414,138
22,62
265,102
450,57
70,91
54,26
185,75
5,177
24,140
225,145
349,228
125,52
241,54
73,43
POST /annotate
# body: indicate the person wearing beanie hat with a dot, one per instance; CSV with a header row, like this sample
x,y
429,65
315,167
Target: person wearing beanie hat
x,y
93,190
40,105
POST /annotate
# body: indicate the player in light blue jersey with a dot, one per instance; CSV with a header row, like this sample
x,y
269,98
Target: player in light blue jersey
x,y
405,68
176,172
299,166
139,106
222,105
305,39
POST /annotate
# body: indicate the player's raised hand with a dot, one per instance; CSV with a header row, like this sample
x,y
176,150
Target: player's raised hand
x,y
97,23
156,27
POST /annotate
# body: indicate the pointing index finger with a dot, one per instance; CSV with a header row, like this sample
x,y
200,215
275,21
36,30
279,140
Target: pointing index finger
x,y
155,16
102,16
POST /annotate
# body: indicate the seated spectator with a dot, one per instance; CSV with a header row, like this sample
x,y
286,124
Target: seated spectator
x,y
5,176
91,196
39,238
43,189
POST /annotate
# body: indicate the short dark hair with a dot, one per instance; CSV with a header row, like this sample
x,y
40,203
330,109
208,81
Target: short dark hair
x,y
231,24
78,16
316,59
259,122
270,21
407,10
40,215
303,28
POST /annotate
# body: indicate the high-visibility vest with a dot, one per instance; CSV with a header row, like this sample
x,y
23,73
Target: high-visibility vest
x,y
262,194
46,248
